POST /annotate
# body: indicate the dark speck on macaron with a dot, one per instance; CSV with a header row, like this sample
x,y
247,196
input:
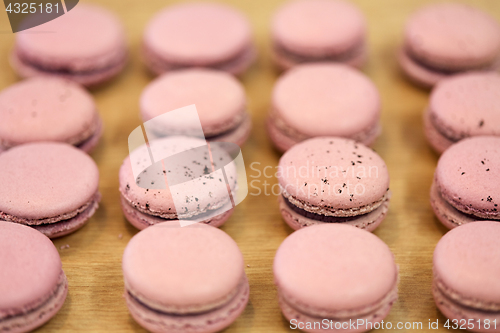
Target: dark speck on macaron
x,y
481,123
463,173
489,199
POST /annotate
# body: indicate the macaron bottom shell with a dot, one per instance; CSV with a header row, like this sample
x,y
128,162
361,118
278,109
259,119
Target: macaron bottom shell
x,y
437,140
36,317
369,221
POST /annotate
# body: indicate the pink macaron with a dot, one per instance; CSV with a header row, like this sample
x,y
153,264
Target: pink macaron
x,y
86,45
323,99
333,181
32,283
198,35
334,277
184,279
318,30
48,109
463,106
52,187
205,198
219,99
448,38
466,269
466,184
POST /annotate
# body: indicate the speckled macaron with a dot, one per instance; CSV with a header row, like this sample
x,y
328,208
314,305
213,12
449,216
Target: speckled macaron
x,y
86,45
48,109
205,198
319,30
51,187
333,181
219,99
184,279
463,106
466,184
323,99
466,270
338,273
198,35
32,283
448,38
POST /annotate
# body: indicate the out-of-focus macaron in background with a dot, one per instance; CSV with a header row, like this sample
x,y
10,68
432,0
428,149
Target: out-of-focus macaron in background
x,y
466,184
184,279
48,108
51,187
462,106
448,38
319,30
86,45
198,34
323,99
218,96
335,278
32,283
466,268
333,180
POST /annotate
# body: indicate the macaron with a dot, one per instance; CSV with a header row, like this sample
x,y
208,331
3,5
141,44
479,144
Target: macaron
x,y
184,279
219,99
466,184
51,187
48,108
323,99
462,106
333,181
444,39
466,268
338,273
319,30
198,35
86,45
149,199
32,284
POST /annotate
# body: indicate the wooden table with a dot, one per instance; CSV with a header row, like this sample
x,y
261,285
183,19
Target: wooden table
x,y
93,260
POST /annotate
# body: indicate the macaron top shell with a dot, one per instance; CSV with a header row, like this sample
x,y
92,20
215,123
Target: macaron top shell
x,y
84,38
198,33
42,180
452,35
31,267
467,261
333,172
182,268
325,99
467,105
219,98
45,109
334,267
317,27
467,175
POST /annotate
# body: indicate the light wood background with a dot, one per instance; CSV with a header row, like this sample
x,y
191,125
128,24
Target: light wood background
x,y
93,260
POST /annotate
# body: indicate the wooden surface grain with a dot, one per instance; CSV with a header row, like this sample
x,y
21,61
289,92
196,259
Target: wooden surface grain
x,y
93,260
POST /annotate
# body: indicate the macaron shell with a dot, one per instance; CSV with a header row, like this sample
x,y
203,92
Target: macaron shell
x,y
318,27
465,176
219,98
44,180
28,278
467,105
333,173
325,267
417,73
452,35
76,45
46,109
198,33
438,142
322,99
182,268
467,263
